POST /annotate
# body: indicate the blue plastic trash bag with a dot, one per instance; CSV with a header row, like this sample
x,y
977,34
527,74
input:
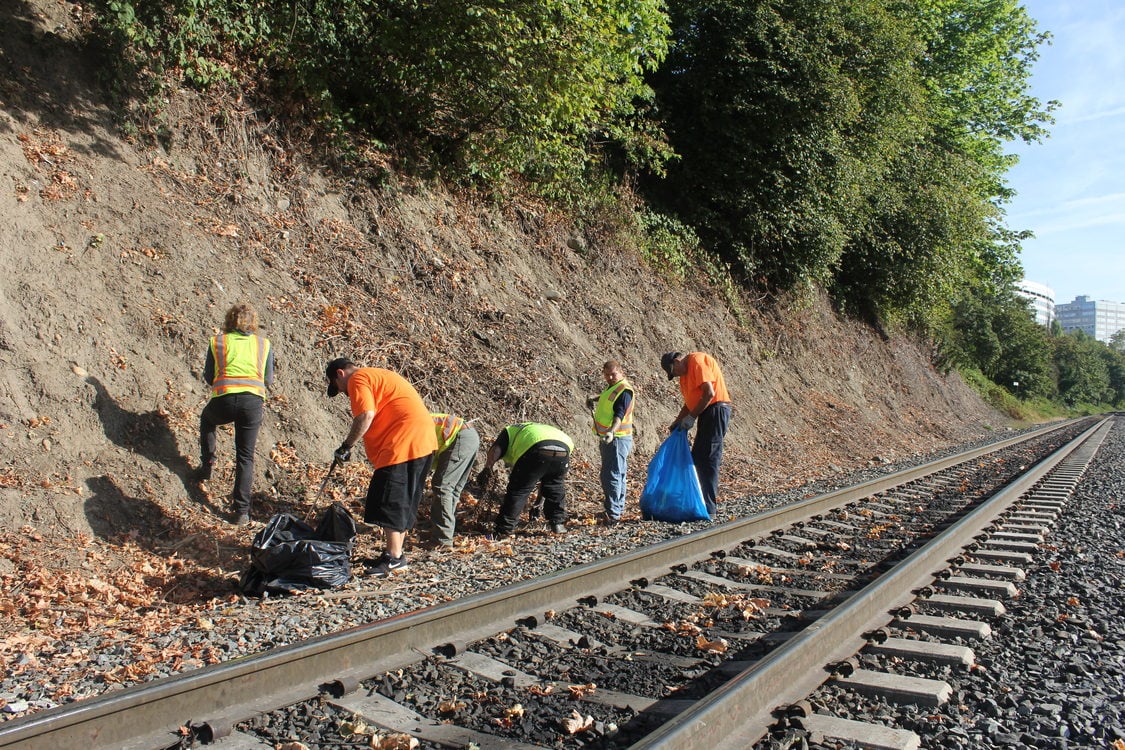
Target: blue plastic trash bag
x,y
672,491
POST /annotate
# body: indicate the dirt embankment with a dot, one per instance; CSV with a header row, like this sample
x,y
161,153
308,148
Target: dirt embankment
x,y
120,260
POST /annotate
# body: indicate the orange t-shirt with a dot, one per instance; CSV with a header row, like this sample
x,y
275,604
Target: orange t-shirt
x,y
403,428
702,368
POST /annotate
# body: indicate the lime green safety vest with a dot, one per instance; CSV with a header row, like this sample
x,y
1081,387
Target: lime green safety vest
x,y
603,412
240,363
447,426
522,437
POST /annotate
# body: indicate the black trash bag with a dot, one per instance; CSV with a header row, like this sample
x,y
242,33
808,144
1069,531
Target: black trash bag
x,y
288,555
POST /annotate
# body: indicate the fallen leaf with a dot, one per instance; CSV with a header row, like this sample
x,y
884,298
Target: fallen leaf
x,y
576,723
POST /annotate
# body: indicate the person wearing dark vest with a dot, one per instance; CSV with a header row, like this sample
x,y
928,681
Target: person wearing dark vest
x,y
458,444
538,454
239,369
705,399
613,424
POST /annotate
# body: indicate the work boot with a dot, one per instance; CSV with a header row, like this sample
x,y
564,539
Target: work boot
x,y
240,519
203,473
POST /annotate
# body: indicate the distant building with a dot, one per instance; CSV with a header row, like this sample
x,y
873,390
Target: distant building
x,y
1099,319
1042,299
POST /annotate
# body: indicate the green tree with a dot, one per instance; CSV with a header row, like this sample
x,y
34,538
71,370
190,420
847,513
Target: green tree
x,y
938,224
484,90
785,113
1083,375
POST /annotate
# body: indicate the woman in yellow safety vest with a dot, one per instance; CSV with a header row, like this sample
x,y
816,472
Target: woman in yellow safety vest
x,y
239,369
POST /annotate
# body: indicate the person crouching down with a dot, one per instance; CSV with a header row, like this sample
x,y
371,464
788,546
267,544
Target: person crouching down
x,y
538,454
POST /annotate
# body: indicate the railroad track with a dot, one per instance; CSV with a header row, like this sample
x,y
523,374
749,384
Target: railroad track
x,y
694,642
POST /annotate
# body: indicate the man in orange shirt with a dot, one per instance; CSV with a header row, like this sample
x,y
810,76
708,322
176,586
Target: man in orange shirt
x,y
398,437
706,400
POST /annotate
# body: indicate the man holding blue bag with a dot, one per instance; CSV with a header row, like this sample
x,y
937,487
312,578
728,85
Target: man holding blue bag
x,y
706,402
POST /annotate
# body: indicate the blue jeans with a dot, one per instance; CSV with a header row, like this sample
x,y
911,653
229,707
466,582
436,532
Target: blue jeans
x,y
615,462
707,450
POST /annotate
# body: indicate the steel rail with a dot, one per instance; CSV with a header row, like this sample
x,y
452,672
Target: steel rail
x,y
739,713
148,715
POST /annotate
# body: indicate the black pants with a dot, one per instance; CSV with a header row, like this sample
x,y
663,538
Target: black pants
x,y
707,450
245,410
546,468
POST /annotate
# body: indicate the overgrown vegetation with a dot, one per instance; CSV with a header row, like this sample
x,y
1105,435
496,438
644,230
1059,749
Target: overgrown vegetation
x,y
851,145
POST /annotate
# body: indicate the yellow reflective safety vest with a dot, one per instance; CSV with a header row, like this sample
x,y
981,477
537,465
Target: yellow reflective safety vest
x,y
603,412
240,363
446,426
521,437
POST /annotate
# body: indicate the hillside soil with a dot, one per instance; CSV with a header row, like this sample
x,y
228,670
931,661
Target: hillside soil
x,y
120,259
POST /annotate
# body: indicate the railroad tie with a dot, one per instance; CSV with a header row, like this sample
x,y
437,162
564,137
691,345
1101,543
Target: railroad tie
x,y
966,604
1026,528
825,730
987,586
572,639
950,627
999,555
897,688
565,637
497,671
754,587
1005,572
384,712
750,566
1013,536
930,651
1010,545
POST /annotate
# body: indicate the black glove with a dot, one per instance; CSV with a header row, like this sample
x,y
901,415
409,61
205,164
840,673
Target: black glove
x,y
343,453
483,476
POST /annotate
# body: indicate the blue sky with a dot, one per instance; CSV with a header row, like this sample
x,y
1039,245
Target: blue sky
x,y
1071,187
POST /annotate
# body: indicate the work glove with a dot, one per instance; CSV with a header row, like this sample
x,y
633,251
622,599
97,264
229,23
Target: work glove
x,y
607,438
483,476
343,453
687,422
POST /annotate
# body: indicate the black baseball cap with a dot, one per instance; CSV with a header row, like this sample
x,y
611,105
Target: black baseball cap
x,y
340,363
666,362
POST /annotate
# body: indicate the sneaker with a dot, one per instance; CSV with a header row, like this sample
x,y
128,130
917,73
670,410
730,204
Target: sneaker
x,y
607,520
558,528
387,564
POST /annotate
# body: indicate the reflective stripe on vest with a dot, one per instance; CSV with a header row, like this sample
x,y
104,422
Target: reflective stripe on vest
x,y
240,364
522,437
446,426
603,412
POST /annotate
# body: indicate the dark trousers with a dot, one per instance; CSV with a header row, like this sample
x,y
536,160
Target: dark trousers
x,y
707,450
394,494
245,410
546,469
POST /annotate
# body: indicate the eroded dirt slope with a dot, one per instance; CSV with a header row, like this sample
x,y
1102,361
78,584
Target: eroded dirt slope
x,y
119,261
